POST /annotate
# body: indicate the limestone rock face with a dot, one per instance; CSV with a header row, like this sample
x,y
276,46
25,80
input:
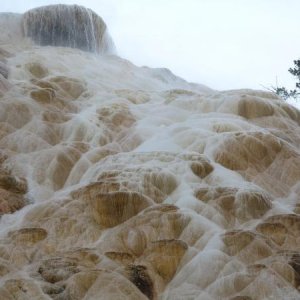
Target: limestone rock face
x,y
3,70
12,192
119,182
67,26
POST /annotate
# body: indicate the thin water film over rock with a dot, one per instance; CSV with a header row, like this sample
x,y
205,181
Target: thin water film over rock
x,y
120,182
67,26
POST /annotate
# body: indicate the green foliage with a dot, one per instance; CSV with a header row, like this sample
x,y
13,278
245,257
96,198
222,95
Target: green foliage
x,y
282,91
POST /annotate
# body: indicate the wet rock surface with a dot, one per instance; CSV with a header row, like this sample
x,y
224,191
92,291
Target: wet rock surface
x,y
119,182
65,25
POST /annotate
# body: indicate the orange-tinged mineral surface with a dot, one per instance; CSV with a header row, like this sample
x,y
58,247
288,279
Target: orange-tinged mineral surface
x,y
120,182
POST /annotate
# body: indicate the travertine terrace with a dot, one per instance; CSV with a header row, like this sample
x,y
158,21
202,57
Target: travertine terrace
x,y
120,182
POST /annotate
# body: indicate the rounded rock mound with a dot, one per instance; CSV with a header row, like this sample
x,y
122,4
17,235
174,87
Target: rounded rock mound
x,y
67,26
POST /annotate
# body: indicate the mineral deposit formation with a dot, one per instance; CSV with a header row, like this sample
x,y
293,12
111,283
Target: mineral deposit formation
x,y
121,182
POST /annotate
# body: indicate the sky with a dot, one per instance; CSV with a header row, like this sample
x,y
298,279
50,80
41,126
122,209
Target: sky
x,y
224,44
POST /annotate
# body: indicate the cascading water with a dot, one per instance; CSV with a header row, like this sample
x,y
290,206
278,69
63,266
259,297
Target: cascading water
x,y
119,182
67,26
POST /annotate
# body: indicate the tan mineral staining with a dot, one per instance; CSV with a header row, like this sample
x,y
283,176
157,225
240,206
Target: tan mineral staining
x,y
12,191
21,288
243,151
4,86
29,235
118,182
250,108
10,202
114,208
4,72
57,92
165,255
264,159
236,206
283,229
37,70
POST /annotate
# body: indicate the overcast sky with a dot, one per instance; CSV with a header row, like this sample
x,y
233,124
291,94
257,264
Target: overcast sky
x,y
224,44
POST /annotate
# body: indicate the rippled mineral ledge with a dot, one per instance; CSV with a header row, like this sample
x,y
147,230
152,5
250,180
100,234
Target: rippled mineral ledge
x,y
119,182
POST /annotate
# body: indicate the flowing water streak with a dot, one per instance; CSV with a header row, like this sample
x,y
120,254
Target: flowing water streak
x,y
67,26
